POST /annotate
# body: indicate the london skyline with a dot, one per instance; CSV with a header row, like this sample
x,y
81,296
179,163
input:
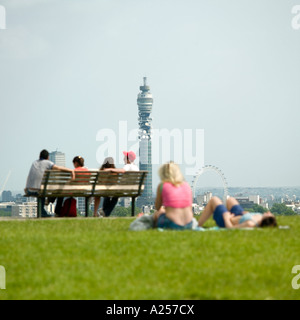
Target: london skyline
x,y
229,68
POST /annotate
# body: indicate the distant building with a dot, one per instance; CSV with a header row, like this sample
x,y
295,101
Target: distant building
x,y
245,202
28,209
204,198
25,210
7,196
6,206
81,205
255,199
125,202
19,199
59,158
145,102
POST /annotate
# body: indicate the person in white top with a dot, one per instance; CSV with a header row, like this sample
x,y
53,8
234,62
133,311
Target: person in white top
x,y
129,157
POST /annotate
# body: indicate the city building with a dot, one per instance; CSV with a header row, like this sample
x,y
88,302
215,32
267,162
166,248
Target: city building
x,y
6,206
28,209
6,196
255,199
145,102
203,198
247,202
59,158
125,202
25,210
80,205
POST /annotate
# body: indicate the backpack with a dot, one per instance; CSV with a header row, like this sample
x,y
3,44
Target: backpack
x,y
69,208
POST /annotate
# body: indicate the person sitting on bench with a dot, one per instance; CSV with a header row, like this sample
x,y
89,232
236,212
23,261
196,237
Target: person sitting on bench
x,y
35,176
78,163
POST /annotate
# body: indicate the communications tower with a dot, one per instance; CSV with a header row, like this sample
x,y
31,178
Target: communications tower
x,y
145,101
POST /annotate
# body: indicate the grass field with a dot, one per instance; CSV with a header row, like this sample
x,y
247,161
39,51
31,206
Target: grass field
x,y
101,259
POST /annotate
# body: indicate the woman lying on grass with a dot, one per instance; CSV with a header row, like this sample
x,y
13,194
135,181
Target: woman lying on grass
x,y
234,215
173,199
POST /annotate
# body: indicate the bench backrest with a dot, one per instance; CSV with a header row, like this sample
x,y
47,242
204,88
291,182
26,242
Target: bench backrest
x,y
93,183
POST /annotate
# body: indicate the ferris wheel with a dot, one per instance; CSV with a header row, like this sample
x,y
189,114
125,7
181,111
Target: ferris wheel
x,y
214,169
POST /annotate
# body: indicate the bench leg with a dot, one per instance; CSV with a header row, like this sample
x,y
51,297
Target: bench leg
x,y
87,206
39,207
133,207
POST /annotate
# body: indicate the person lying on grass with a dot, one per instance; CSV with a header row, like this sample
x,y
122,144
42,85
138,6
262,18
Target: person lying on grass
x,y
173,199
234,216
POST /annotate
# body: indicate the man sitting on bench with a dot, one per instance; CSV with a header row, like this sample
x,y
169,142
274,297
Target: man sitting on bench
x,y
35,177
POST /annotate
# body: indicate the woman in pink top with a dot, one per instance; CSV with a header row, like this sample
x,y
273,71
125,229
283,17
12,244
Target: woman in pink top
x,y
173,199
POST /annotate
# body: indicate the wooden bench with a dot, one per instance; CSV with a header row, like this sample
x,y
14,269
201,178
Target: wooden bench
x,y
92,183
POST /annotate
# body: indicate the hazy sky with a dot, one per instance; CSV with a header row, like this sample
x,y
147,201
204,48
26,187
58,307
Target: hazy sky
x,y
69,68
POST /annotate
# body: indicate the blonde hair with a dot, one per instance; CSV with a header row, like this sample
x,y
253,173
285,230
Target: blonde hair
x,y
170,172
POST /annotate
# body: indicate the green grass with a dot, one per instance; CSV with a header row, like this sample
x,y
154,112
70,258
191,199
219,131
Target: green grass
x,y
102,259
